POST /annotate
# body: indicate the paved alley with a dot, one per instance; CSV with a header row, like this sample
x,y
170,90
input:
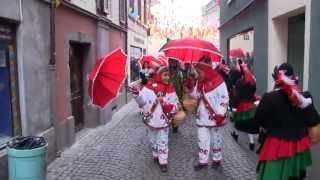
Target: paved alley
x,y
120,150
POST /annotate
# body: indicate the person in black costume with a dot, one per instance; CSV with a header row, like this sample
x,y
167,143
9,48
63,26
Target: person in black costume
x,y
244,103
285,115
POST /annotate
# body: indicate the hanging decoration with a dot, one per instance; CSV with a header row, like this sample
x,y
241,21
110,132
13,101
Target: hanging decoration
x,y
182,19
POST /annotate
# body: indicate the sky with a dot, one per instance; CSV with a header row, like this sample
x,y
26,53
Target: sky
x,y
187,12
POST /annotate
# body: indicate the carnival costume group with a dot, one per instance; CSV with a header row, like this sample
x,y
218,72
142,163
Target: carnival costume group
x,y
282,118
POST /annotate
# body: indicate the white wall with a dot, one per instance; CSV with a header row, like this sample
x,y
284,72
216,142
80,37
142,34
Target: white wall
x,y
279,12
245,45
114,16
89,5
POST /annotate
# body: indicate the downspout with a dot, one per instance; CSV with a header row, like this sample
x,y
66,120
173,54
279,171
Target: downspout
x,y
52,76
126,47
20,4
52,33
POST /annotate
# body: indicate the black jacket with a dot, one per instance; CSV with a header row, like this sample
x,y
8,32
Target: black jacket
x,y
283,120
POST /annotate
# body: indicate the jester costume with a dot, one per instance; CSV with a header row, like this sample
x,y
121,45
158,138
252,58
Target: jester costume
x,y
159,103
212,95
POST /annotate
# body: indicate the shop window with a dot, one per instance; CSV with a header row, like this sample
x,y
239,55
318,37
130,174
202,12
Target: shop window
x,y
135,55
241,46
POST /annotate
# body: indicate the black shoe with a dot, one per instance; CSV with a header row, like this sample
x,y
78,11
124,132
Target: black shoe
x,y
251,146
164,168
235,136
198,167
155,160
216,164
175,130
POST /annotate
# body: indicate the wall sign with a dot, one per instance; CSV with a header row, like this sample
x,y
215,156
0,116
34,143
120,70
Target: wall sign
x,y
138,40
6,32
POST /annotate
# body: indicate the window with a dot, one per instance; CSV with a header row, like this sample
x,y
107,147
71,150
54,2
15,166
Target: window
x,y
137,10
145,12
135,55
106,6
241,46
122,12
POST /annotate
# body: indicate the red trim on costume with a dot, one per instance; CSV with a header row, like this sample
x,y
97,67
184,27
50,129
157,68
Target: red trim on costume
x,y
156,128
248,76
275,148
216,163
245,106
211,80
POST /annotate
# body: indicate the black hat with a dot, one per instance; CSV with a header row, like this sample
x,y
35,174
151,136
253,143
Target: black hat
x,y
287,68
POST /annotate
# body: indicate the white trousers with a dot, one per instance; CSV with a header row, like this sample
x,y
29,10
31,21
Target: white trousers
x,y
159,144
209,140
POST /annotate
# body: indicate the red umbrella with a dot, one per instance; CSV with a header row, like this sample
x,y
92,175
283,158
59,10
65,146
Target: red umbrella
x,y
107,77
191,50
163,59
236,53
150,60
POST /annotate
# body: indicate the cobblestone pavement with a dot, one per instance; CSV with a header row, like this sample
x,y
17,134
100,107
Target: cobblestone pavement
x,y
120,150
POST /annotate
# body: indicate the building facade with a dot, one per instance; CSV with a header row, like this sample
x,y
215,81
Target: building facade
x,y
138,11
210,18
46,52
85,31
283,31
246,19
24,73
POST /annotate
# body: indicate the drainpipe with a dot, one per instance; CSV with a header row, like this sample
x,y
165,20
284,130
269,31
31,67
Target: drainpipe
x,y
52,33
52,76
126,48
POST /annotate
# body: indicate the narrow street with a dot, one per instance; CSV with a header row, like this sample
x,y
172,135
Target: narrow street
x,y
120,150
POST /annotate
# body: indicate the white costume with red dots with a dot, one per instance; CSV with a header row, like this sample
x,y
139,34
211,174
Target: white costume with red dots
x,y
213,99
158,102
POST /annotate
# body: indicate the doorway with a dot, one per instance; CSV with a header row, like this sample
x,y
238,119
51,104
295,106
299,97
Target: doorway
x,y
5,89
296,27
77,54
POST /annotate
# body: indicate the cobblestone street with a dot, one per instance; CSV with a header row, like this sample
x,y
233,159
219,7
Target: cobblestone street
x,y
120,150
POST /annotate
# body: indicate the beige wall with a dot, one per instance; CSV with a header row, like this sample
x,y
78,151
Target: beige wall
x,y
154,44
245,45
279,12
114,16
89,5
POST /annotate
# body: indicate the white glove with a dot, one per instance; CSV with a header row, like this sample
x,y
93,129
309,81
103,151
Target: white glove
x,y
304,102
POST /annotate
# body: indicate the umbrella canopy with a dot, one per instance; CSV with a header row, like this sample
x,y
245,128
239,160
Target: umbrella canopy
x,y
151,61
107,77
191,50
163,59
236,53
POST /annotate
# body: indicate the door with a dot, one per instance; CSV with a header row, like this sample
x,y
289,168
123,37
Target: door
x,y
76,83
5,100
296,45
